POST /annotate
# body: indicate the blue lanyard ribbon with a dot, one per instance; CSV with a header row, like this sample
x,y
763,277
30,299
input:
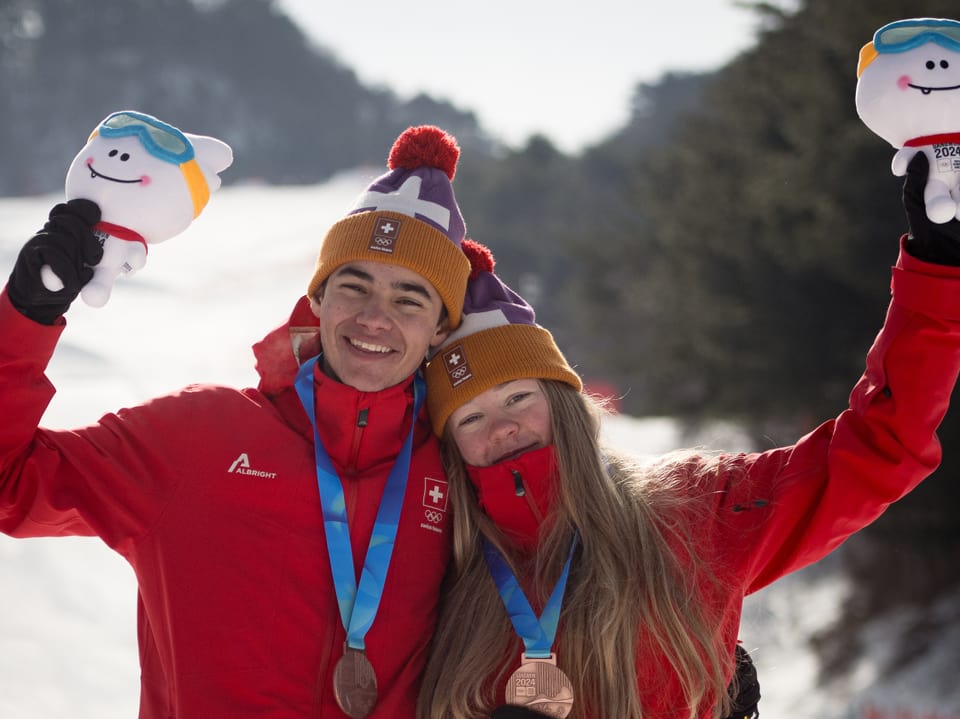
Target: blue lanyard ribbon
x,y
358,605
537,633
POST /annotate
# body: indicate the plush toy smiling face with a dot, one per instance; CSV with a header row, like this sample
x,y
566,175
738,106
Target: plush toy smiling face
x,y
145,175
129,183
909,80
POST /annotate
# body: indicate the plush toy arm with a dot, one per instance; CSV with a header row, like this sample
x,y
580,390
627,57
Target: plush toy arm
x,y
928,241
901,159
67,248
214,155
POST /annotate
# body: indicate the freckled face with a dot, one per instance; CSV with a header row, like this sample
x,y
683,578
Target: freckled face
x,y
377,322
502,423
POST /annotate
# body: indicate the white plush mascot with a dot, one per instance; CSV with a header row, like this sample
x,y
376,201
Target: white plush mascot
x,y
908,93
150,180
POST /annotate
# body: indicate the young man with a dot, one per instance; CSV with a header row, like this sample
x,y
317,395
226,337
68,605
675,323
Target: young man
x,y
289,541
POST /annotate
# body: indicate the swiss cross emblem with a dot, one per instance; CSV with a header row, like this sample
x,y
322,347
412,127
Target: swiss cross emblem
x,y
435,494
385,233
458,369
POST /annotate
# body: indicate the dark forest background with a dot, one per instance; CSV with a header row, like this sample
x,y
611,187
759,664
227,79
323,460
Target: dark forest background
x,y
725,254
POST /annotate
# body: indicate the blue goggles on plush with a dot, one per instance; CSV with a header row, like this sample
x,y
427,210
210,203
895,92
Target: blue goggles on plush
x,y
160,139
904,35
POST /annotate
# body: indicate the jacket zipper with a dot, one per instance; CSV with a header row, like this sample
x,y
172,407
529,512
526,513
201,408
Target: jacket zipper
x,y
358,434
521,491
350,488
350,496
518,483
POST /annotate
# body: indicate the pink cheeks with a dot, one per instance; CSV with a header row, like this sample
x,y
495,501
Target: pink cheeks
x,y
143,180
903,82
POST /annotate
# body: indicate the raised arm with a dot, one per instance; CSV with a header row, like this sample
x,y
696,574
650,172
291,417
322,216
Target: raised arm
x,y
788,507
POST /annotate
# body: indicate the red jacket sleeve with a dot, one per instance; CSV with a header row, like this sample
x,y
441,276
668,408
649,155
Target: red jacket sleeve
x,y
60,482
786,508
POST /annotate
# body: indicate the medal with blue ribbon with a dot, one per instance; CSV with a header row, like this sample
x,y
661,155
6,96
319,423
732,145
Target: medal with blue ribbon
x,y
539,683
354,680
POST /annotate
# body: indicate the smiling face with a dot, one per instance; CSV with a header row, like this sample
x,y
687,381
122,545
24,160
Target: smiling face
x,y
377,322
133,188
502,423
915,93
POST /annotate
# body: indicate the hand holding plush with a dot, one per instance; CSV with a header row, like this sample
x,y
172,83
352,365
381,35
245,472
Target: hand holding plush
x,y
67,246
908,93
928,241
150,181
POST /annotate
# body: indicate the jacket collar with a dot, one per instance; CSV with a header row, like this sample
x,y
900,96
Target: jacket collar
x,y
360,430
518,494
280,354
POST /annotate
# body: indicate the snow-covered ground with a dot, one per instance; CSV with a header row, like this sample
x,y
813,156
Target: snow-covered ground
x,y
67,606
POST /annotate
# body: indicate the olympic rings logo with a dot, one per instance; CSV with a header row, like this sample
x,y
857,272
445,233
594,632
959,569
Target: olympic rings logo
x,y
433,515
459,372
383,241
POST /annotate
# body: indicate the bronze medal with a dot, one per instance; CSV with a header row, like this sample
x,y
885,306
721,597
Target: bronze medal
x,y
541,685
355,683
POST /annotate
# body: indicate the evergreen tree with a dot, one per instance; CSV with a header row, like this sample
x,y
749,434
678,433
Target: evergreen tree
x,y
750,271
237,69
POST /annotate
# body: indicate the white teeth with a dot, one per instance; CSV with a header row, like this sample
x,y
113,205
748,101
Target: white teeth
x,y
370,348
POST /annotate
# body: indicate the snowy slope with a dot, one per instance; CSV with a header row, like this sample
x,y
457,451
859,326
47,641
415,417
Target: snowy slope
x,y
67,606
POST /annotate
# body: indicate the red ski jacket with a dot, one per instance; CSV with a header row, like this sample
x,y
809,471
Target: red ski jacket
x,y
211,495
760,516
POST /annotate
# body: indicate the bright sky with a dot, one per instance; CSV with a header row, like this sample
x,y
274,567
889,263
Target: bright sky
x,y
568,72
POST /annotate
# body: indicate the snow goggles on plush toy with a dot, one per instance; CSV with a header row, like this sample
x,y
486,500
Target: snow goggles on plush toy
x,y
904,35
161,140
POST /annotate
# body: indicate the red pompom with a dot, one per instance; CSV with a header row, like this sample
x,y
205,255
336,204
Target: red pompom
x,y
425,146
480,256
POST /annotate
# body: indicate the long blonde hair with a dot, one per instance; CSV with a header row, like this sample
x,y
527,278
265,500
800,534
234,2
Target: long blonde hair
x,y
636,573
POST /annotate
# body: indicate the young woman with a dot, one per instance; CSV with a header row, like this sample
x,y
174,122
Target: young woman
x,y
589,586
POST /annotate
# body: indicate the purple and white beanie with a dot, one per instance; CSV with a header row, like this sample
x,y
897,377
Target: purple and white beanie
x,y
409,217
498,340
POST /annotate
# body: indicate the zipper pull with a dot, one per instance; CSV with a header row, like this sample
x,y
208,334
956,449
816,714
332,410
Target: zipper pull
x,y
362,417
518,483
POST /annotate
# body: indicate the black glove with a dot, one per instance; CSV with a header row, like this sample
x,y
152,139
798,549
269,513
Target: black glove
x,y
509,711
928,241
745,703
67,244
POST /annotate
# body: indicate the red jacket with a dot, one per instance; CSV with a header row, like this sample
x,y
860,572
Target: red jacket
x,y
763,515
211,495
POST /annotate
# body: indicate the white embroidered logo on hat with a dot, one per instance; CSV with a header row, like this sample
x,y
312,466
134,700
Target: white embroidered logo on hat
x,y
406,199
458,370
385,234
